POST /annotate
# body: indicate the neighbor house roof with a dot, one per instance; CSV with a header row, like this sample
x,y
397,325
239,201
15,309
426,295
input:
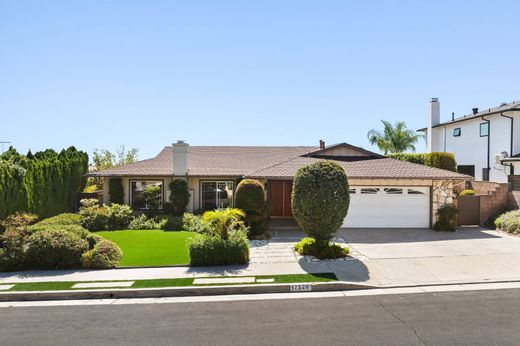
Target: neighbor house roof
x,y
272,162
505,107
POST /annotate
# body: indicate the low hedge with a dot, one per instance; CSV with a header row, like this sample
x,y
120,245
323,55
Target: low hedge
x,y
54,249
436,159
509,222
76,229
210,250
322,250
62,219
104,255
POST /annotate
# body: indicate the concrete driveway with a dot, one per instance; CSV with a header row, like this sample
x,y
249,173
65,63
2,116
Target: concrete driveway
x,y
421,256
419,243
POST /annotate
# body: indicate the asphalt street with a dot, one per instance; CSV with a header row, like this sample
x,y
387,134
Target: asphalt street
x,y
450,318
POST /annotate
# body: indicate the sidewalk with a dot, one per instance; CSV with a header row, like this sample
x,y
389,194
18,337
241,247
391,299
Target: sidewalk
x,y
498,263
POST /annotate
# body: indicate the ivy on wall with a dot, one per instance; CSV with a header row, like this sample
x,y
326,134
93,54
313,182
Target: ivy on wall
x,y
45,183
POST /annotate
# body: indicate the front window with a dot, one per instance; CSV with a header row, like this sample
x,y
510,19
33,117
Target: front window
x,y
146,194
216,194
484,129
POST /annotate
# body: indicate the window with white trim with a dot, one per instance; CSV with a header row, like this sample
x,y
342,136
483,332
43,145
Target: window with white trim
x,y
216,194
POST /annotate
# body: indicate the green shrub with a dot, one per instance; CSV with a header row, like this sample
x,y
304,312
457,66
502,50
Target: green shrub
x,y
321,250
54,249
320,199
446,218
436,159
193,223
18,221
62,219
104,255
171,222
93,216
119,216
12,252
115,190
250,197
180,196
441,160
213,250
93,239
75,229
467,193
509,222
220,222
144,222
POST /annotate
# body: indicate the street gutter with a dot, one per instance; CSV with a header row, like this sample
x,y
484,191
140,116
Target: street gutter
x,y
180,291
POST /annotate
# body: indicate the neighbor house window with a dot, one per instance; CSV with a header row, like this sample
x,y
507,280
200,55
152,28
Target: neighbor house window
x,y
146,194
216,194
484,129
456,132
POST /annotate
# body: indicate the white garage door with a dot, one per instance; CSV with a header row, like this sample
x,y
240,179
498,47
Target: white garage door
x,y
374,207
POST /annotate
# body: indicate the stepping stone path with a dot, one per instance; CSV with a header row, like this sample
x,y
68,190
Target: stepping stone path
x,y
103,284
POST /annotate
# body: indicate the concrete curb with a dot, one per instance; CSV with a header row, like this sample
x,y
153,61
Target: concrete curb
x,y
180,291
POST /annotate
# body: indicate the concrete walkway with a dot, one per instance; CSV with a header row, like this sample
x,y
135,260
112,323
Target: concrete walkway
x,y
380,257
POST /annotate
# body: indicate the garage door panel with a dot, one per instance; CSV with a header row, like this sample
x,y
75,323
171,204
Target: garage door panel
x,y
389,210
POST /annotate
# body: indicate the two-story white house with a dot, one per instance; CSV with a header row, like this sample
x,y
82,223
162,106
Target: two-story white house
x,y
486,143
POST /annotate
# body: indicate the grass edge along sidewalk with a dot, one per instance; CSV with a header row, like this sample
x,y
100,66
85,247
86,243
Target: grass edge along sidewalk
x,y
169,283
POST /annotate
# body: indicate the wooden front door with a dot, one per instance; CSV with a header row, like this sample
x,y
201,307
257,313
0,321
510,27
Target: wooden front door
x,y
279,196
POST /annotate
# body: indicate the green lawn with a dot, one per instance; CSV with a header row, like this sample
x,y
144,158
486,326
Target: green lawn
x,y
158,283
150,247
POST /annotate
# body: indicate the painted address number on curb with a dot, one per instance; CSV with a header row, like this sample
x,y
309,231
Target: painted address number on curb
x,y
301,287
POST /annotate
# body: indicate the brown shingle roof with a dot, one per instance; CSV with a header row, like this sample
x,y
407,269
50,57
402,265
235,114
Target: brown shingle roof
x,y
270,162
369,169
211,161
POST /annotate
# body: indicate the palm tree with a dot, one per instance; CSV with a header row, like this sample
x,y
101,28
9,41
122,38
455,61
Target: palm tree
x,y
394,139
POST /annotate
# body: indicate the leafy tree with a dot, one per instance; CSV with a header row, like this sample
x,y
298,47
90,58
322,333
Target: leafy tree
x,y
394,139
105,159
320,199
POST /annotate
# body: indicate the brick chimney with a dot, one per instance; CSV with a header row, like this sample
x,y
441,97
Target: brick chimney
x,y
180,158
322,144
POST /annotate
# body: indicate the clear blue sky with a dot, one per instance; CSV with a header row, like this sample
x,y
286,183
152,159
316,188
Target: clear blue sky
x,y
97,74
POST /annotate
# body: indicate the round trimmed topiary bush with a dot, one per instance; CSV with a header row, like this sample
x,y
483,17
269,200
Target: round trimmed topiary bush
x,y
104,255
250,197
320,199
54,249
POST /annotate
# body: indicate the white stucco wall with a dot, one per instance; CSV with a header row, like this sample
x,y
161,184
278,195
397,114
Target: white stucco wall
x,y
471,149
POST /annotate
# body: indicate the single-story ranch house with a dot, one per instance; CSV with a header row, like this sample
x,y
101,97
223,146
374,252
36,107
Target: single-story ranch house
x,y
384,192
